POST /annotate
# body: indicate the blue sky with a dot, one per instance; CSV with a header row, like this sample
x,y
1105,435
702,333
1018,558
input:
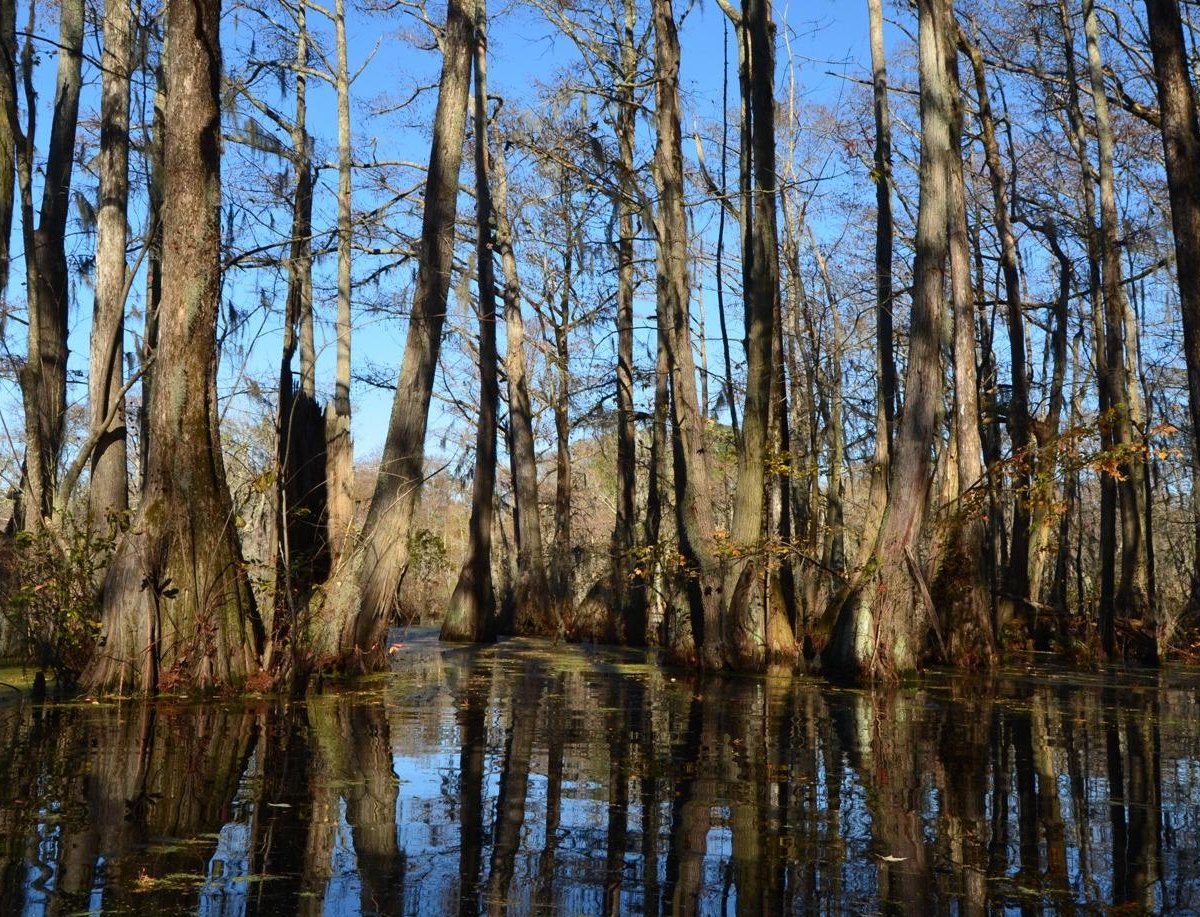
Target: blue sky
x,y
825,36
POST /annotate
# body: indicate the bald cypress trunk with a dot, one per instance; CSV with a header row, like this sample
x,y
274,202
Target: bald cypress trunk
x,y
471,615
177,607
629,591
339,445
362,594
9,131
964,582
1133,596
693,494
531,589
44,377
880,631
302,553
1181,145
109,489
760,278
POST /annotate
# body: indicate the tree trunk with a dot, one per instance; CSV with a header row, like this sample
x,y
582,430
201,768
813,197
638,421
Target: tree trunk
x,y
1132,595
339,444
108,493
10,131
760,279
1108,484
693,495
1181,146
45,376
154,254
362,596
177,606
1019,425
471,615
302,554
630,600
964,583
880,632
532,589
562,568
884,302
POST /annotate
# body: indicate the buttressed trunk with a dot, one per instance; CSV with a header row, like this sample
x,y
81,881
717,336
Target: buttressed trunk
x,y
177,607
746,621
693,494
880,631
471,615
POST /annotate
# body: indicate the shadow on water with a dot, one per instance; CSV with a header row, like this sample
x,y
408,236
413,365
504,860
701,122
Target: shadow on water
x,y
525,778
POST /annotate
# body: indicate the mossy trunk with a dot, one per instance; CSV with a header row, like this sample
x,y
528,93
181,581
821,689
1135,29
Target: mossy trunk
x,y
177,607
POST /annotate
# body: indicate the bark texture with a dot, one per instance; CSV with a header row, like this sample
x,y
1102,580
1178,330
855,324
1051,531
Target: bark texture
x,y
177,607
44,377
1133,597
880,631
531,589
109,489
693,494
1181,146
471,615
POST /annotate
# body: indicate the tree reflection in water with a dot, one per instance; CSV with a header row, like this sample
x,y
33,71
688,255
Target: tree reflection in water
x,y
527,778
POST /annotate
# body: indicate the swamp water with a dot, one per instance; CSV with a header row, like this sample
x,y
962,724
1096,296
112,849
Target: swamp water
x,y
572,780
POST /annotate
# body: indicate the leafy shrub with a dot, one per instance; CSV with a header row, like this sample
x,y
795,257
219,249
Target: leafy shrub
x,y
49,596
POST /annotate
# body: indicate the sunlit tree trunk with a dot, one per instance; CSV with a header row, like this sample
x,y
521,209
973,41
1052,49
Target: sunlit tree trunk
x,y
155,181
532,589
108,492
471,615
963,582
339,445
177,607
884,301
880,632
1017,586
362,595
44,377
760,277
693,494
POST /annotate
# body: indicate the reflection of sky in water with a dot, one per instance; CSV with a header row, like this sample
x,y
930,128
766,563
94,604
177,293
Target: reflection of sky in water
x,y
809,794
343,894
41,876
224,891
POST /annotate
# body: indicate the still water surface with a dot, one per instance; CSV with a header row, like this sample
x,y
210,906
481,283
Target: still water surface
x,y
535,779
